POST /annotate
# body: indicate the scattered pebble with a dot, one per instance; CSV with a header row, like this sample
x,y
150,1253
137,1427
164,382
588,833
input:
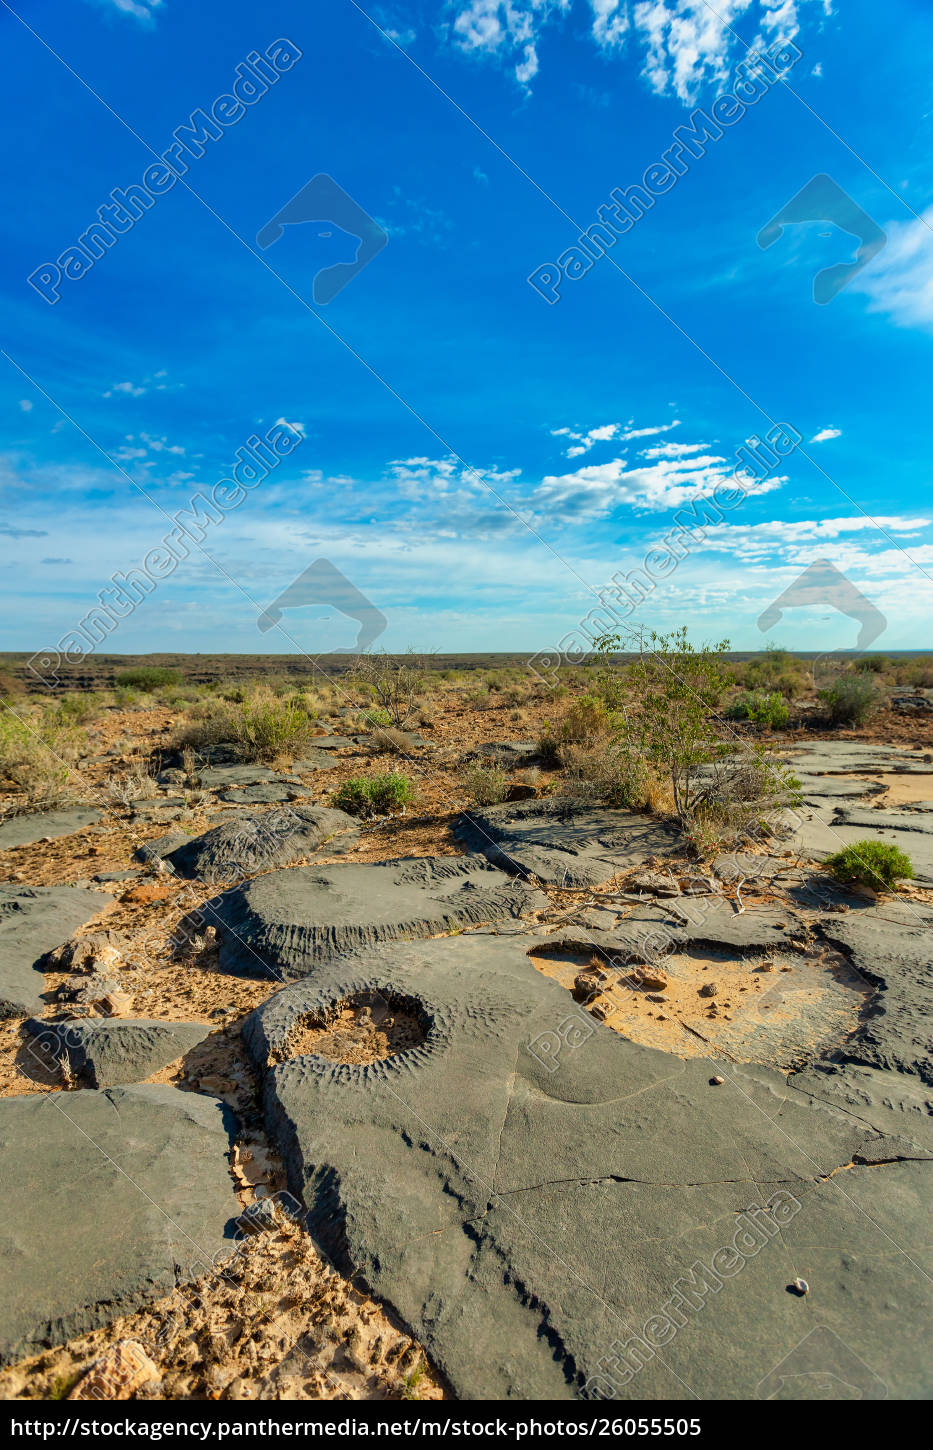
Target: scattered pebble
x,y
716,1081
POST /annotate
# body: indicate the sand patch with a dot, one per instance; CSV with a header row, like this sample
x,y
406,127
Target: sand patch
x,y
365,1029
780,1009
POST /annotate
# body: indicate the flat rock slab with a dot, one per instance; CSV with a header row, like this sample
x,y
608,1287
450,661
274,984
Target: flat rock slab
x,y
332,742
849,756
819,834
24,830
34,920
161,847
159,809
249,844
564,841
111,1199
258,795
506,752
313,760
215,777
105,1053
891,946
836,787
529,1189
287,922
891,1102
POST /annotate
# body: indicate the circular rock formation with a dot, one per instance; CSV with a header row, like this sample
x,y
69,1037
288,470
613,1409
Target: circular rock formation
x,y
283,924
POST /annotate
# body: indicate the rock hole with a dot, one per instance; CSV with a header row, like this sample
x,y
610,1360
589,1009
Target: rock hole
x,y
362,1028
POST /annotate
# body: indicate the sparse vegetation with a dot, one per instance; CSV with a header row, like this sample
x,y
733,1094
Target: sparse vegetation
x,y
850,699
871,863
389,741
392,682
374,795
263,727
764,708
486,785
37,754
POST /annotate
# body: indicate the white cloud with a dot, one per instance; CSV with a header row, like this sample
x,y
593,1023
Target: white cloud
x,y
622,432
597,489
684,44
610,23
25,405
899,280
298,428
142,10
825,434
130,390
672,450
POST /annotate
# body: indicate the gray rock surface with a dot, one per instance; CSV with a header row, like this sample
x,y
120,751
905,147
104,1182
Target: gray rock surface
x,y
822,788
24,830
313,760
506,753
34,920
248,844
891,946
842,756
331,742
110,1199
287,922
161,809
258,795
563,841
161,847
820,833
529,1189
105,1052
891,1102
216,777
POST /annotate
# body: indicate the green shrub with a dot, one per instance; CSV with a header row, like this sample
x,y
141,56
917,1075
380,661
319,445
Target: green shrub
x,y
374,795
766,708
872,664
147,677
262,726
375,717
850,699
871,863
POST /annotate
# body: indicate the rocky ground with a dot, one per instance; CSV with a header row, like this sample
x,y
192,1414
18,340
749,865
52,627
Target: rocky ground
x,y
454,1102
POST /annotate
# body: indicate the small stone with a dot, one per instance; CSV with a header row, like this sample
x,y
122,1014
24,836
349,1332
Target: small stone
x,y
800,1287
116,1004
716,1081
656,997
651,979
709,989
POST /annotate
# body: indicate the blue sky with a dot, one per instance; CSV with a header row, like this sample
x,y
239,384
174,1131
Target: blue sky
x,y
478,462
